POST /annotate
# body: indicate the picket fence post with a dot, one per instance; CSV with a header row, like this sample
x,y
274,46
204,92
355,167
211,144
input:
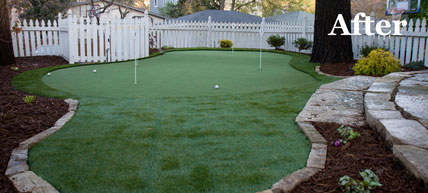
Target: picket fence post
x,y
209,35
304,25
71,40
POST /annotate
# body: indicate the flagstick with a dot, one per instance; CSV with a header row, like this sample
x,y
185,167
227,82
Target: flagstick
x,y
135,54
261,37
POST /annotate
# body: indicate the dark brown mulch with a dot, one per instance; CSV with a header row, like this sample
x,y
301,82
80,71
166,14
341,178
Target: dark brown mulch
x,y
20,121
365,152
339,69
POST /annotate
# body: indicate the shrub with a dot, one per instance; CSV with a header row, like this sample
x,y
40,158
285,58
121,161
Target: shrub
x,y
167,47
370,182
28,99
226,43
419,65
378,63
275,41
302,44
365,50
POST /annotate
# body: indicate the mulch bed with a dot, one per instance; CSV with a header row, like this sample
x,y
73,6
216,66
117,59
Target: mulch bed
x,y
365,152
19,120
338,69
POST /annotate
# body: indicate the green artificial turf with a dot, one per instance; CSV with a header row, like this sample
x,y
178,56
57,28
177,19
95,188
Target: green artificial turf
x,y
173,132
179,74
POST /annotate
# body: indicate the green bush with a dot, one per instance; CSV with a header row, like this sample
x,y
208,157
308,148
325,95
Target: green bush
x,y
29,99
275,41
365,50
226,43
302,44
419,65
378,63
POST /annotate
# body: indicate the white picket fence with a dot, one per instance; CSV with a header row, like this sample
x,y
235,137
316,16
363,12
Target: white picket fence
x,y
81,40
185,34
412,46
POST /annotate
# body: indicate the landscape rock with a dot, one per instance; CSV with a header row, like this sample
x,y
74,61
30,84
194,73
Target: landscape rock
x,y
385,87
335,106
317,156
412,96
30,182
405,132
414,159
17,162
374,116
288,183
355,83
311,133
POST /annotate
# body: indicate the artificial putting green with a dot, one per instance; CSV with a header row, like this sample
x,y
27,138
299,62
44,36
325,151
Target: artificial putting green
x,y
191,73
173,132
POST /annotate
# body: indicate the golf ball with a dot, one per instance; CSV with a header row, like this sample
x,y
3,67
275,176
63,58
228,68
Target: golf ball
x,y
216,86
95,71
49,73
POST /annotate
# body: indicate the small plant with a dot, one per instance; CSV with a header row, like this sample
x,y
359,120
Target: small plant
x,y
366,49
302,44
414,66
346,134
29,99
167,47
226,43
370,182
379,63
275,41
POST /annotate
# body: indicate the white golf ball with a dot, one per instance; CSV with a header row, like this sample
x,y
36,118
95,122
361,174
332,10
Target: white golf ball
x,y
49,73
95,71
216,86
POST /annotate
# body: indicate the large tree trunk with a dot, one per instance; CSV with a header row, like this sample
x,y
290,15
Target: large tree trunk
x,y
331,49
233,5
6,49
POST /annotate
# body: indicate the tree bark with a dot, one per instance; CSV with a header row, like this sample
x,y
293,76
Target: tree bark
x,y
331,49
6,48
233,5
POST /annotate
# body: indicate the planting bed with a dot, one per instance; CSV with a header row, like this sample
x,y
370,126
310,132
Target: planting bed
x,y
18,120
365,152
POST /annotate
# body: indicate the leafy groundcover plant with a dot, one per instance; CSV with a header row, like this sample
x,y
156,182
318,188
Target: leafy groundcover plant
x,y
29,99
346,134
370,182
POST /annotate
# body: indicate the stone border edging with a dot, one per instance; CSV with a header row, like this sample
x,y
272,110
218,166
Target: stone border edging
x,y
315,163
18,171
406,137
318,70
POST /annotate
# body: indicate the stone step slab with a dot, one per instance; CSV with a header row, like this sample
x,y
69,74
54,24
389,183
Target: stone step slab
x,y
404,132
334,106
354,83
414,159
